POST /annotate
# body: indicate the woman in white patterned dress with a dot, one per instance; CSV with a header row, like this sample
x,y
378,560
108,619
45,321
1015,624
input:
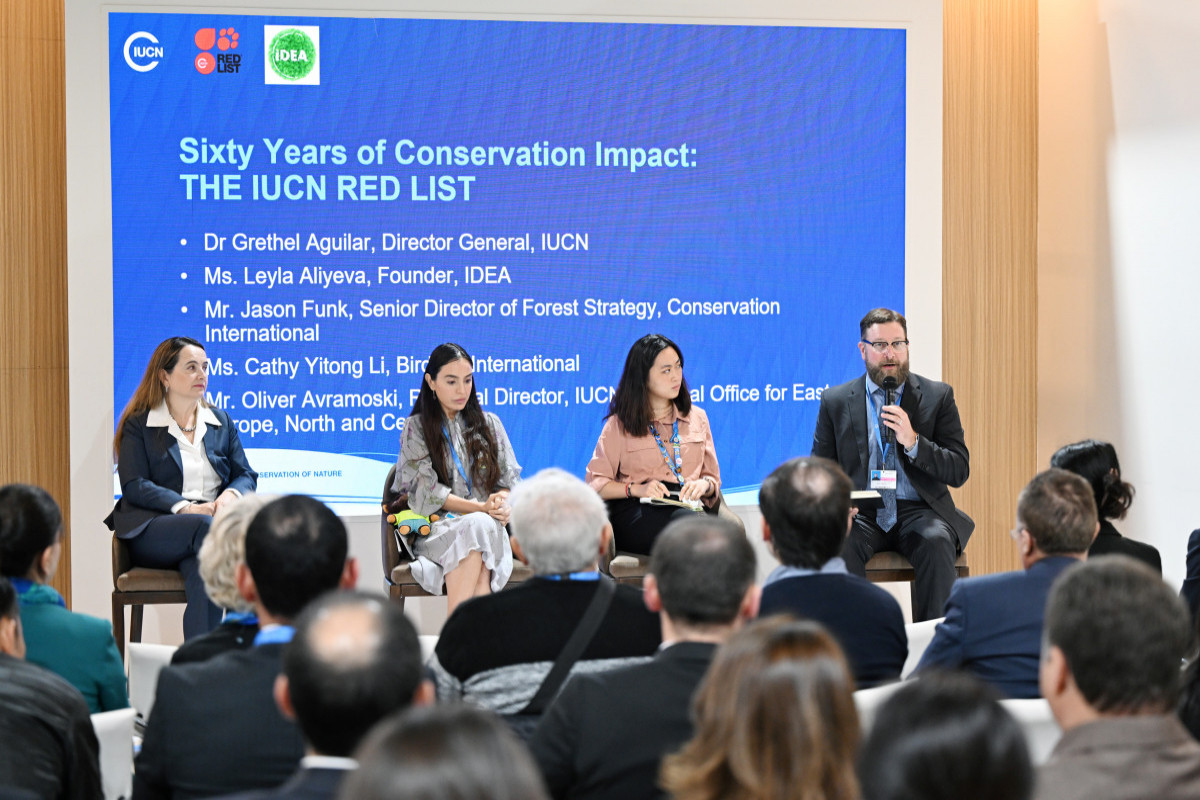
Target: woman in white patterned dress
x,y
456,460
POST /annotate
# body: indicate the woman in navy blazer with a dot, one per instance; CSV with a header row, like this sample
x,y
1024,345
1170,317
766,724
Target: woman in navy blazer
x,y
178,461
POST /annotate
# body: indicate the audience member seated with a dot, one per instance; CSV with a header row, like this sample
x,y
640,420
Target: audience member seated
x,y
354,660
1189,697
993,625
1191,582
78,647
443,753
223,551
945,737
1096,462
606,734
48,748
806,514
215,728
774,716
496,650
1115,634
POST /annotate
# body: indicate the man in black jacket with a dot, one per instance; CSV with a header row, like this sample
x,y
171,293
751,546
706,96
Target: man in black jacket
x,y
355,659
497,650
48,747
806,512
606,733
215,728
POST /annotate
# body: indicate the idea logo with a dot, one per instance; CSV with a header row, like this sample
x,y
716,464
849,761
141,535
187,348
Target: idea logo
x,y
292,54
223,40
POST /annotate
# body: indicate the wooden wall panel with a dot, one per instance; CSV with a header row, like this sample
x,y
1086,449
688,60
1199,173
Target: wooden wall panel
x,y
989,257
34,421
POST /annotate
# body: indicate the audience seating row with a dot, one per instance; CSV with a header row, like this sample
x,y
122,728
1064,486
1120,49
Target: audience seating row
x,y
139,586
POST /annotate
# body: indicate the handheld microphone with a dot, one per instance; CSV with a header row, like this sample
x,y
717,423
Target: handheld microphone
x,y
889,390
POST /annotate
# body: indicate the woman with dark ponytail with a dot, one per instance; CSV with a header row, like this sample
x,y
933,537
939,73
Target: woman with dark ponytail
x,y
456,460
1097,463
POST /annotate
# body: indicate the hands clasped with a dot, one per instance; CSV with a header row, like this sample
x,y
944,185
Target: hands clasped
x,y
497,506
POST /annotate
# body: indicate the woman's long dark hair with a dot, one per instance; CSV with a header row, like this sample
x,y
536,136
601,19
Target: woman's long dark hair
x,y
477,434
631,403
945,737
1096,462
150,391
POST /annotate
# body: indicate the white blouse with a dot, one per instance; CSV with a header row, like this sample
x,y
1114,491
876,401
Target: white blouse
x,y
201,484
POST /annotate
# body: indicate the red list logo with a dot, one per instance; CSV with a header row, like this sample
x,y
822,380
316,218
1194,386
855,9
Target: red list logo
x,y
223,40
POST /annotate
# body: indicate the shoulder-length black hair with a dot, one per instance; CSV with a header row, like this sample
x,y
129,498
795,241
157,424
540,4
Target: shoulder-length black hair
x,y
631,403
1096,462
482,451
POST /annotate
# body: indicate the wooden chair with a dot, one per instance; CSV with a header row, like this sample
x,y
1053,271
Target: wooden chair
x,y
397,571
137,587
889,567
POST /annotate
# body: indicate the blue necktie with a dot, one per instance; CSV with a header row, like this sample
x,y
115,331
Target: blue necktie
x,y
885,518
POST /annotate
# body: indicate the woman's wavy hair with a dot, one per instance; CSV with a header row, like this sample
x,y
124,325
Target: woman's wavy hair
x,y
1096,462
631,402
150,391
224,548
775,717
482,450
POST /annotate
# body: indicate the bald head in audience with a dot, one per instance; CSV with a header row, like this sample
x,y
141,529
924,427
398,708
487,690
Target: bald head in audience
x,y
354,660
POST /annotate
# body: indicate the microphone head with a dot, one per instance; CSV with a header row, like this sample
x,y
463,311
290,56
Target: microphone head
x,y
889,383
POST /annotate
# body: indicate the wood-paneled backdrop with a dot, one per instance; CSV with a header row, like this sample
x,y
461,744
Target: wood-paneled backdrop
x,y
34,423
989,255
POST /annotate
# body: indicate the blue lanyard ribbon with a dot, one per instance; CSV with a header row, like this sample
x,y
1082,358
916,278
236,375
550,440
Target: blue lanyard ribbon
x,y
589,575
277,634
457,461
677,466
875,422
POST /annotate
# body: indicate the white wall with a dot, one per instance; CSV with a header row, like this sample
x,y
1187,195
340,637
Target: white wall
x,y
1119,208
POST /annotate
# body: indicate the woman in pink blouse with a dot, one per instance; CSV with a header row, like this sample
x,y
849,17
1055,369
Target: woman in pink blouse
x,y
654,443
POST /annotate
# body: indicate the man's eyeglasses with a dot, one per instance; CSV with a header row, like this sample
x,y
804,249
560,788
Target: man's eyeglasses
x,y
898,346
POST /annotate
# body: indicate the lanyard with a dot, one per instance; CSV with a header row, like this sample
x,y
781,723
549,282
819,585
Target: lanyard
x,y
590,575
457,461
276,634
875,422
676,466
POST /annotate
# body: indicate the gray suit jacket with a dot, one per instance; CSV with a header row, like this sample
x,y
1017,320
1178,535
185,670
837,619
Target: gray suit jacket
x,y
1123,758
942,458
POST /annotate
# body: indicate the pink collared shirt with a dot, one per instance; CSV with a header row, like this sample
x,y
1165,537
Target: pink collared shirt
x,y
636,459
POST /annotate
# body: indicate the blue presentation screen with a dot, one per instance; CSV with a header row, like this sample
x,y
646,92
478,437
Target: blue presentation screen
x,y
322,201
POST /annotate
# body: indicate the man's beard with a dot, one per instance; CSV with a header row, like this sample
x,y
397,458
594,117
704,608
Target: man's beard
x,y
876,373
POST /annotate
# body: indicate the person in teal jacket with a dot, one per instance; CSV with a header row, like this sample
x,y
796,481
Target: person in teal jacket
x,y
77,647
